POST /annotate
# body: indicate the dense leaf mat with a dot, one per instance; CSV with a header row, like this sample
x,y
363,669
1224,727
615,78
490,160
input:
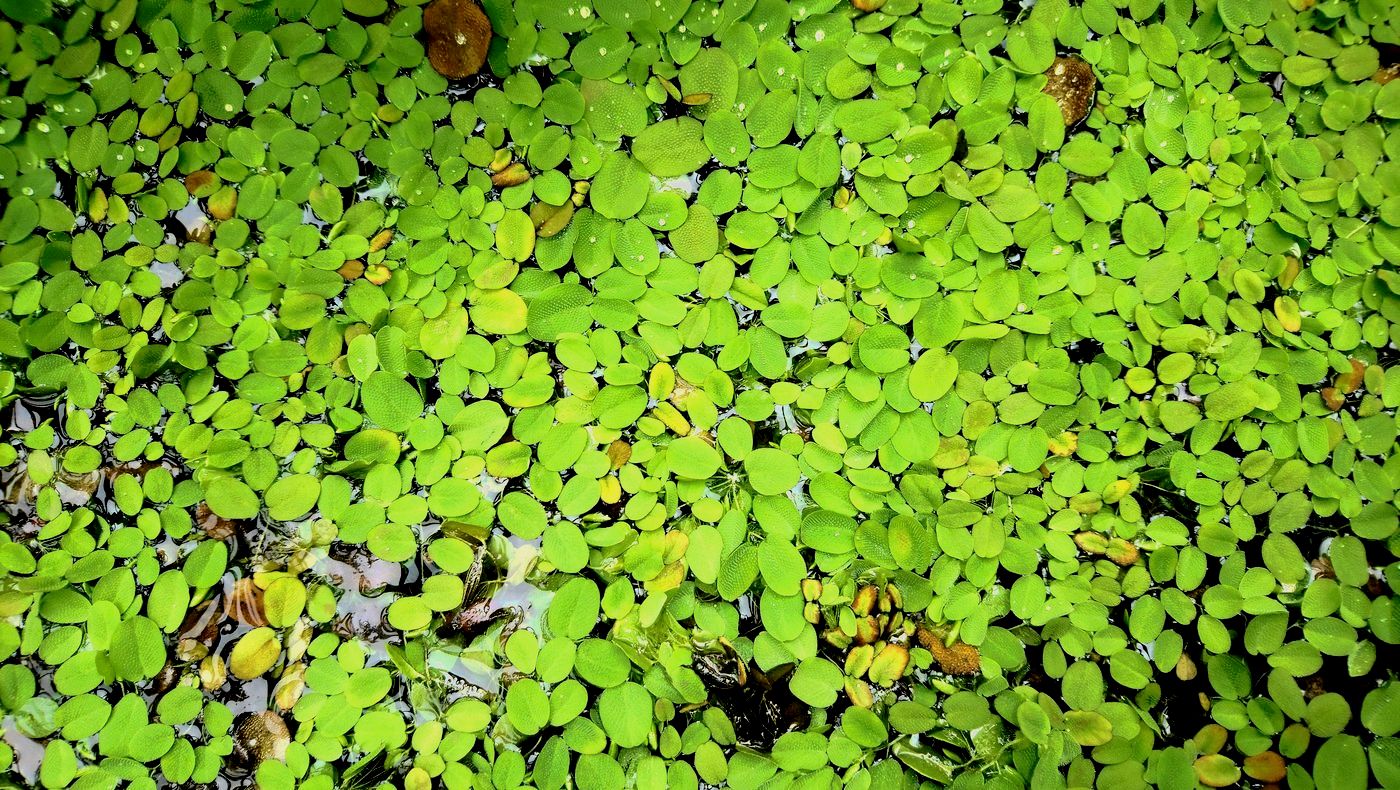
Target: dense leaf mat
x,y
761,393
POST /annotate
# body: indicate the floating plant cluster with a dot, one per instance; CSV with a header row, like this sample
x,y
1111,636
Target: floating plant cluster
x,y
677,393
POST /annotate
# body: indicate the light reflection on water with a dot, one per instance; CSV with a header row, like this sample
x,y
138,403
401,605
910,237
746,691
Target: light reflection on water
x,y
29,754
480,664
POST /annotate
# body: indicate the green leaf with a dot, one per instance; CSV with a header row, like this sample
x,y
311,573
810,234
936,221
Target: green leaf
x,y
391,402
137,649
527,706
816,682
231,499
693,458
670,148
623,711
1231,401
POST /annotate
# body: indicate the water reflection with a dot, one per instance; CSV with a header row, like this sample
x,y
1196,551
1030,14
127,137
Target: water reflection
x,y
29,753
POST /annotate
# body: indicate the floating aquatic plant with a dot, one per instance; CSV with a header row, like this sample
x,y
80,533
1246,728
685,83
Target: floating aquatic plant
x,y
601,393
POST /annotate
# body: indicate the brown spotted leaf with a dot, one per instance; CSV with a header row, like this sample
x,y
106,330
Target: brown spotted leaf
x,y
1071,83
459,35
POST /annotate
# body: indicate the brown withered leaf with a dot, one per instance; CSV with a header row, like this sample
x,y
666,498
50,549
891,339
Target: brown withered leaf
x,y
261,736
224,203
1349,382
1122,552
959,658
245,603
550,220
459,35
200,182
215,527
1266,767
1071,83
351,270
381,240
619,453
378,274
1334,399
512,175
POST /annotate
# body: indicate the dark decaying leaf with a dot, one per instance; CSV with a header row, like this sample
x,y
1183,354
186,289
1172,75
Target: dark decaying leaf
x,y
459,35
1071,82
